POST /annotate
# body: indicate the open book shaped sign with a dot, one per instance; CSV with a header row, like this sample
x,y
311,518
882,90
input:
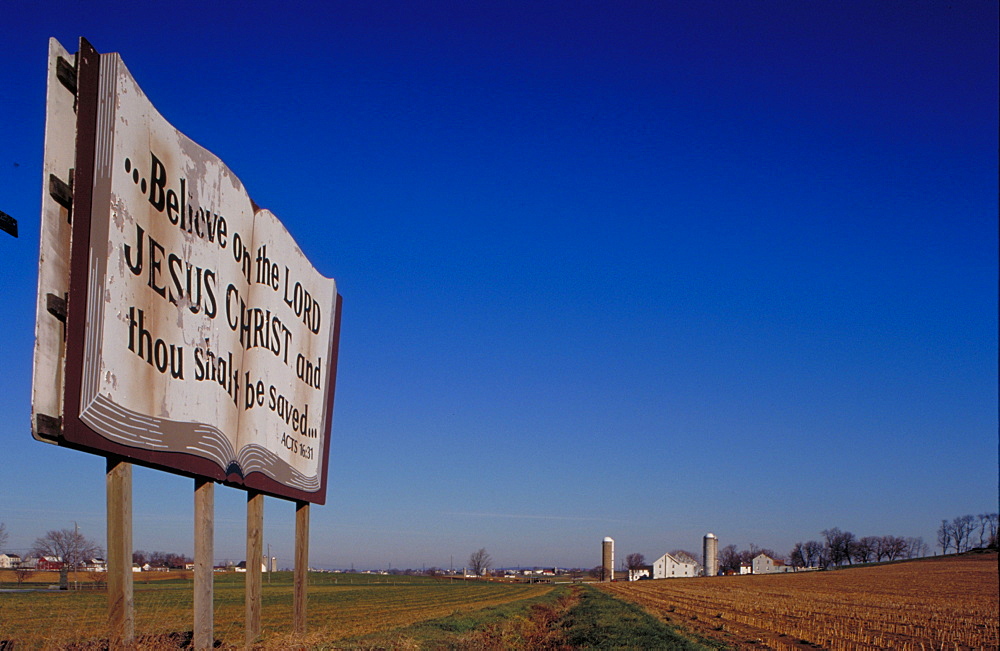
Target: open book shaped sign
x,y
198,337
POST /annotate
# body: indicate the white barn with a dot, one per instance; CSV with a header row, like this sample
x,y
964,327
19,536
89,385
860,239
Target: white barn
x,y
668,567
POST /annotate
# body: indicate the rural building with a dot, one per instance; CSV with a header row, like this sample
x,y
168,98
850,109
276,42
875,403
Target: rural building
x,y
668,567
242,566
641,572
48,563
764,564
746,568
9,561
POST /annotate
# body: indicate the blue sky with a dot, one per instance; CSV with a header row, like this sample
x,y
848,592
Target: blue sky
x,y
645,270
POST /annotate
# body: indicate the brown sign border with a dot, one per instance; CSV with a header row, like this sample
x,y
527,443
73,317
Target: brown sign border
x,y
77,434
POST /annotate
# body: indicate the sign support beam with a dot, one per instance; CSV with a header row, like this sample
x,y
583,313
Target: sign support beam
x,y
121,612
255,550
301,566
204,530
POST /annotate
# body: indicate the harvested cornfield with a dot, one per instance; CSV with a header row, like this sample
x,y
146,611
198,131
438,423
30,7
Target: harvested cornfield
x,y
946,603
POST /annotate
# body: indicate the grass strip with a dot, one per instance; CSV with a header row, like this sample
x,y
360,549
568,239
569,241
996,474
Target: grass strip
x,y
508,626
599,621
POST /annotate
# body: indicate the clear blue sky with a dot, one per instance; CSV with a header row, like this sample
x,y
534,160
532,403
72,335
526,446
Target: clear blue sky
x,y
632,269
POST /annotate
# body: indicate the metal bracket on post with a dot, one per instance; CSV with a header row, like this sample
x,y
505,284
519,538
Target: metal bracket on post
x,y
49,427
62,192
66,73
8,224
56,305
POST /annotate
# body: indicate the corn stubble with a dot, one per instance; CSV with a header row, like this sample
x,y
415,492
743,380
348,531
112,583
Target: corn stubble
x,y
946,603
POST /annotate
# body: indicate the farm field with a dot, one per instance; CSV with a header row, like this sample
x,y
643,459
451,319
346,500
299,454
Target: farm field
x,y
946,603
340,606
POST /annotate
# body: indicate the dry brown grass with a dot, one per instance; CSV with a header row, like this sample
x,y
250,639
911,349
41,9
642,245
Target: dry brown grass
x,y
163,612
947,603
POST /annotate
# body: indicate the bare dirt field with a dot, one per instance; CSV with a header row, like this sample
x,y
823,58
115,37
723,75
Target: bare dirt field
x,y
946,603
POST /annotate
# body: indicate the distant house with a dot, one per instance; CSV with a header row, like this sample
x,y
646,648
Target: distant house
x,y
9,561
95,565
641,572
764,564
242,567
746,568
49,563
669,567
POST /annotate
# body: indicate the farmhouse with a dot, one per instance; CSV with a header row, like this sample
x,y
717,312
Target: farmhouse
x,y
242,567
764,564
95,565
9,561
641,572
669,567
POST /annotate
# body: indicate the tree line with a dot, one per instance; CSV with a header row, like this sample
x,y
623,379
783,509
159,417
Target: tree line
x,y
837,548
843,547
968,532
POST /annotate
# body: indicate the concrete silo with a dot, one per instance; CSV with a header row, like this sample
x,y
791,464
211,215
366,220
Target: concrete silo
x,y
608,558
710,553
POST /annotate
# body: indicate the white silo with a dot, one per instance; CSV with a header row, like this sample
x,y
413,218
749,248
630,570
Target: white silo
x,y
608,558
710,554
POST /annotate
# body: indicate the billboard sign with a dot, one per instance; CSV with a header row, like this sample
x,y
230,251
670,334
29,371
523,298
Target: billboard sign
x,y
200,339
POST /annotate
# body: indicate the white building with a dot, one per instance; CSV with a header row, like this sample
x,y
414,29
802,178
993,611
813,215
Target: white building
x,y
641,572
9,561
668,567
764,564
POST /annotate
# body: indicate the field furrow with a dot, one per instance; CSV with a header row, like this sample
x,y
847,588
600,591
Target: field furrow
x,y
947,603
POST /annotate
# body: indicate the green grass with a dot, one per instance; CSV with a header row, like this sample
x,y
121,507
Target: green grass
x,y
453,631
600,621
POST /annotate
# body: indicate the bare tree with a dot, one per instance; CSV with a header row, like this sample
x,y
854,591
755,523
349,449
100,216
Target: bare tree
x,y
895,547
915,547
944,536
599,572
68,545
98,578
839,545
797,556
729,559
866,548
22,574
480,562
635,561
987,530
813,552
961,530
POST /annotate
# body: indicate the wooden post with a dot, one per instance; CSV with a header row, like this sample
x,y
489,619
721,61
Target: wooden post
x,y
204,531
255,550
301,566
121,614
